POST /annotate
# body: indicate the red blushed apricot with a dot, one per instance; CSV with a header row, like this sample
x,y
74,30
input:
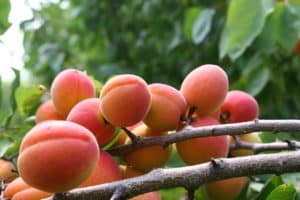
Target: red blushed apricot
x,y
147,158
227,189
107,170
125,100
205,88
87,113
239,106
31,194
7,171
147,196
56,156
167,106
47,111
14,187
129,172
200,150
70,87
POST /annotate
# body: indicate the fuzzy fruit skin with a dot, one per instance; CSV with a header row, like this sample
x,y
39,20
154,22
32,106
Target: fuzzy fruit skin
x,y
147,158
7,169
200,150
227,189
31,194
205,88
167,106
87,113
70,87
47,111
56,156
107,171
147,196
14,187
125,100
250,137
129,172
239,106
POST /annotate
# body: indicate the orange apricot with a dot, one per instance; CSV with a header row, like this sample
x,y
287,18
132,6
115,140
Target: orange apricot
x,y
14,187
56,156
107,170
31,194
70,87
7,171
47,111
87,113
167,107
200,150
147,158
125,100
227,189
129,172
205,88
147,196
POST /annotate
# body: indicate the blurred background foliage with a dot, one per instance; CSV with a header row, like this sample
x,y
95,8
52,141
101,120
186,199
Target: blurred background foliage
x,y
161,40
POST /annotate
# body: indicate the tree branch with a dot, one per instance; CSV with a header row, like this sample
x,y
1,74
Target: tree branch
x,y
190,176
216,130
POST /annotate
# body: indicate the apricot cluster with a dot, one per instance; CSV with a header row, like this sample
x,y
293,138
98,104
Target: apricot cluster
x,y
64,149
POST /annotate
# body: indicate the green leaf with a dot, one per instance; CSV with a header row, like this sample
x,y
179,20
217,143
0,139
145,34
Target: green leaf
x,y
270,185
283,192
191,15
4,12
5,143
258,81
1,94
202,25
245,21
28,97
14,86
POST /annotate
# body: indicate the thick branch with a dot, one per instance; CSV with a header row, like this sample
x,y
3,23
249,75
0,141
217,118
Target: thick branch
x,y
225,129
191,176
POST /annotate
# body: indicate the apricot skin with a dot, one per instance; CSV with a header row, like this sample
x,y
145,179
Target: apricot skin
x,y
56,156
14,187
250,137
147,158
107,170
167,106
129,172
87,113
147,196
205,88
70,87
200,150
125,100
7,171
31,194
47,111
239,106
227,189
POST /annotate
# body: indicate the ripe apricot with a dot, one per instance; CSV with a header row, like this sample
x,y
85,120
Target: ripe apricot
x,y
56,156
250,137
47,111
129,172
147,158
125,100
167,106
205,88
107,170
227,189
87,113
147,196
200,150
70,87
31,194
7,171
14,187
238,106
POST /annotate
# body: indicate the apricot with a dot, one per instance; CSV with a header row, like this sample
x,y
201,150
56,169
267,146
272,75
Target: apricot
x,y
123,136
205,88
7,171
47,111
70,87
125,100
238,106
227,189
107,170
167,107
31,194
147,158
129,172
200,150
87,113
56,156
14,187
250,137
147,196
